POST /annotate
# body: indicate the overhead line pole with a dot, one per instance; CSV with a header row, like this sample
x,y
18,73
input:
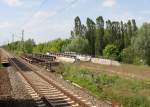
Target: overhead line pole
x,y
22,40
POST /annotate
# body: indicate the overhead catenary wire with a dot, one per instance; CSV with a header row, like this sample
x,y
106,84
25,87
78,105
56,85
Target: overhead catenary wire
x,y
28,20
30,16
60,10
33,13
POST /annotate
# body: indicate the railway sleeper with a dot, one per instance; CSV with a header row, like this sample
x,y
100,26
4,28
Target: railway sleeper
x,y
62,102
56,97
50,93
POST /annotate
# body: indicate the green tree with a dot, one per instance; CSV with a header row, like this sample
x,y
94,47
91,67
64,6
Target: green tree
x,y
122,31
108,33
127,55
38,48
99,40
134,28
90,36
78,26
29,44
129,34
141,43
79,45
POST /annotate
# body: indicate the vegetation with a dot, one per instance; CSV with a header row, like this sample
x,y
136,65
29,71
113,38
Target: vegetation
x,y
111,52
141,44
78,45
20,47
51,46
122,41
109,39
128,92
1,66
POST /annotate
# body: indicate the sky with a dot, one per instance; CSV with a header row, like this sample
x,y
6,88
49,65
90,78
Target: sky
x,y
45,20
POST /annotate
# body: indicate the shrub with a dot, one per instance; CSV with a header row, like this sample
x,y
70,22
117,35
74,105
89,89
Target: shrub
x,y
111,52
127,55
139,61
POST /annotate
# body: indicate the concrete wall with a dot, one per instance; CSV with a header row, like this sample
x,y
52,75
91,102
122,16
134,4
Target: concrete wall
x,y
105,61
83,58
65,59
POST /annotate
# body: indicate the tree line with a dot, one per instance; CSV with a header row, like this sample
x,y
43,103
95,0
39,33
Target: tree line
x,y
99,34
108,39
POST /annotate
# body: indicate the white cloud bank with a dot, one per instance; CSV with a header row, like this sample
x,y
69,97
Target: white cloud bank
x,y
44,14
13,3
38,18
5,25
109,3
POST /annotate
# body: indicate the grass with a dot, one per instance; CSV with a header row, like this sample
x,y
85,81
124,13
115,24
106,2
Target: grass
x,y
139,72
1,66
128,92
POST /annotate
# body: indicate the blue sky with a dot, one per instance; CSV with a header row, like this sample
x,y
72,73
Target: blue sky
x,y
44,20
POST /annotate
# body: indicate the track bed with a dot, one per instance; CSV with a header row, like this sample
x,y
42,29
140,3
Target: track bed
x,y
5,86
49,92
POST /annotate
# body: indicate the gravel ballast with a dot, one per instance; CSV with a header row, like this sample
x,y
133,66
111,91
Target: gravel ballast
x,y
68,85
18,89
5,86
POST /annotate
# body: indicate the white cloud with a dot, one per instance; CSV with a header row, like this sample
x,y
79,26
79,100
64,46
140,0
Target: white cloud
x,y
44,14
145,12
70,0
5,25
109,3
13,3
124,16
38,18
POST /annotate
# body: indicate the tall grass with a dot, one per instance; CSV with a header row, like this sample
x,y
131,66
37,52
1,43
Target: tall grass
x,y
128,92
1,66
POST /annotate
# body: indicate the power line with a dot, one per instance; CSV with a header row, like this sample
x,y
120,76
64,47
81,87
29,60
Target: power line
x,y
42,3
63,9
29,18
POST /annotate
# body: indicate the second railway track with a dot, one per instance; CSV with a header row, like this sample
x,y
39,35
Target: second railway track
x,y
46,92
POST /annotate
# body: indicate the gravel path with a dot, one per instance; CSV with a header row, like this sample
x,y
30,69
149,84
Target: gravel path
x,y
18,89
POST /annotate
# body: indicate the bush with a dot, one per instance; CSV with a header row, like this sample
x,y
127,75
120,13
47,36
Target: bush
x,y
139,61
111,52
1,66
127,55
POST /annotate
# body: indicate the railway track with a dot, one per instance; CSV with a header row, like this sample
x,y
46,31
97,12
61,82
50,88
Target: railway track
x,y
46,92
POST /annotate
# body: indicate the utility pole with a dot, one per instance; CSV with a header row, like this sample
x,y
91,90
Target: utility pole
x,y
13,38
22,40
12,42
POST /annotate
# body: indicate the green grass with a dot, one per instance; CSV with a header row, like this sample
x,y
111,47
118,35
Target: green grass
x,y
1,66
128,92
